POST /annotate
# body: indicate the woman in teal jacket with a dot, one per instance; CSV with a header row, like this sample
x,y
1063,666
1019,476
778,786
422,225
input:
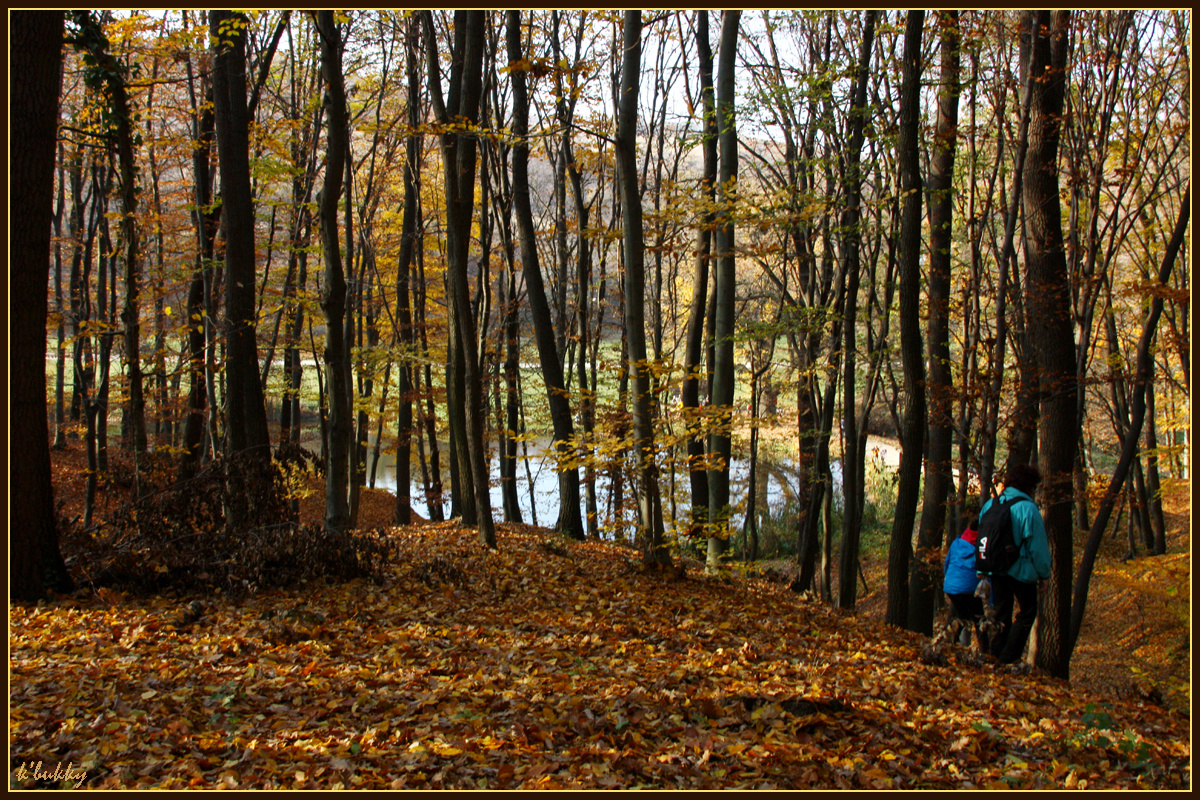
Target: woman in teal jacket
x,y
1027,577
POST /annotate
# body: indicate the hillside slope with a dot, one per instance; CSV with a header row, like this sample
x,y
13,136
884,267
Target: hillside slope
x,y
546,664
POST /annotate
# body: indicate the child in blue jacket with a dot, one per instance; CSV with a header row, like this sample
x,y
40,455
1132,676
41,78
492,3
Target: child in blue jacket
x,y
960,578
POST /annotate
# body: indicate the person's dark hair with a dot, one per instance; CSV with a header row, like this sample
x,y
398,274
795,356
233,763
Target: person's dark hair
x,y
971,506
1023,477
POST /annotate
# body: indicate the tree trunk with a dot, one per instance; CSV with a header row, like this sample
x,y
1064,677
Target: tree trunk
x,y
35,563
93,40
106,310
367,339
1082,513
164,419
352,319
569,520
852,486
720,437
433,489
583,268
408,242
60,336
694,350
812,283
1048,301
295,366
512,404
458,157
591,371
925,581
649,513
1153,483
248,442
462,489
78,283
912,429
1143,503
991,412
333,301
206,219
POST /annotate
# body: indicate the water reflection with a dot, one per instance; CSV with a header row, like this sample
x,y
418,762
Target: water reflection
x,y
781,483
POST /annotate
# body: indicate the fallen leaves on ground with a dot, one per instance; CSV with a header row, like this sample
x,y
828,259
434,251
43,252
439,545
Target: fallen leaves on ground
x,y
545,664
1138,623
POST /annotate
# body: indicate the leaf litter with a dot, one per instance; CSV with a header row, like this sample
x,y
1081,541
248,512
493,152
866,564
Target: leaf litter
x,y
547,664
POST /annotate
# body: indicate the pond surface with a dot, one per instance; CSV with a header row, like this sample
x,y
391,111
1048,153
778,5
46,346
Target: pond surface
x,y
542,502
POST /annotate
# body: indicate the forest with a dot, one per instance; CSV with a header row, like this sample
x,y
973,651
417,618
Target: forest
x,y
372,360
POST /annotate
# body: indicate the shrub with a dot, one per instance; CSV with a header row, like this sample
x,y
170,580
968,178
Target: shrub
x,y
177,536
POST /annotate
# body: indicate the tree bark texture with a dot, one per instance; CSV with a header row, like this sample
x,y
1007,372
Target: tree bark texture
x,y
408,243
90,37
650,513
461,107
569,520
694,348
925,583
912,427
35,563
1051,323
206,221
333,300
246,414
852,486
720,439
991,412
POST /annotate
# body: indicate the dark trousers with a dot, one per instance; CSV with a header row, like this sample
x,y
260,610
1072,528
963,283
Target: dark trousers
x,y
969,609
1009,644
966,606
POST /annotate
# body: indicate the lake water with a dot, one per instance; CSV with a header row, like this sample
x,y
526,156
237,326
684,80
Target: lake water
x,y
781,483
